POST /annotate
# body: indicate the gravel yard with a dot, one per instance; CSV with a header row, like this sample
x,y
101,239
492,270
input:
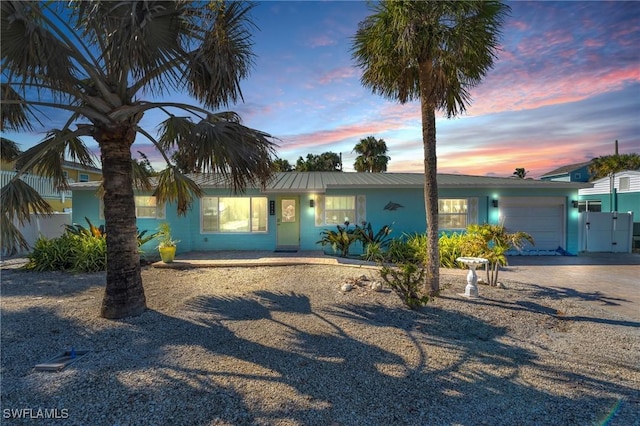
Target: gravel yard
x,y
284,346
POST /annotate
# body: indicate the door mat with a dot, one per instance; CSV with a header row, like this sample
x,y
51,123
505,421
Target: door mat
x,y
60,361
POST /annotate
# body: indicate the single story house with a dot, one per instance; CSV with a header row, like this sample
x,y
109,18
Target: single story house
x,y
295,207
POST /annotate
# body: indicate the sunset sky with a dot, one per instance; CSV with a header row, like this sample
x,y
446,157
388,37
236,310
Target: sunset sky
x,y
565,86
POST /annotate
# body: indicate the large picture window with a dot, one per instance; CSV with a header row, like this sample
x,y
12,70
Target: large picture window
x,y
234,214
338,210
146,208
453,213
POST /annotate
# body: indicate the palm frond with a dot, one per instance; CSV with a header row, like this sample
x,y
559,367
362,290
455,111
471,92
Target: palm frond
x,y
9,150
15,116
225,56
47,157
19,200
31,52
176,187
11,240
242,155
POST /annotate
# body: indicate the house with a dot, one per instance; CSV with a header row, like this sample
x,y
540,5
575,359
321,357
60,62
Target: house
x,y
571,173
295,207
59,201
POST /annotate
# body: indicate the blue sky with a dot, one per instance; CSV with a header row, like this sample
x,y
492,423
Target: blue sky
x,y
565,86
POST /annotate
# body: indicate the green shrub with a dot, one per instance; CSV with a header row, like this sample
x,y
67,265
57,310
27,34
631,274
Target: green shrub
x,y
406,279
340,240
79,249
451,248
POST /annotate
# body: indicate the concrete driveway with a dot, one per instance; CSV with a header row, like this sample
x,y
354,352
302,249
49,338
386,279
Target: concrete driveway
x,y
610,280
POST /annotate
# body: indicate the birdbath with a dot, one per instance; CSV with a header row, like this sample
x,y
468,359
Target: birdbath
x,y
471,291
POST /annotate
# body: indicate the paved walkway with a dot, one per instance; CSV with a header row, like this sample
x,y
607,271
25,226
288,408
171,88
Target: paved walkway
x,y
608,280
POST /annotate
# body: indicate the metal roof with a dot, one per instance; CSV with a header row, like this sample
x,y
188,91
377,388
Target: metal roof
x,y
566,169
318,182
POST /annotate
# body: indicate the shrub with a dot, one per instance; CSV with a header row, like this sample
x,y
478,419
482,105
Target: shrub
x,y
406,280
69,252
340,240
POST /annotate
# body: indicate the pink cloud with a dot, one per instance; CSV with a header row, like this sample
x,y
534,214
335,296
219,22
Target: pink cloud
x,y
337,74
322,41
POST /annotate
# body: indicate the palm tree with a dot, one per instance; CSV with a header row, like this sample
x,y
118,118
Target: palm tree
x,y
94,62
434,52
372,155
520,172
609,165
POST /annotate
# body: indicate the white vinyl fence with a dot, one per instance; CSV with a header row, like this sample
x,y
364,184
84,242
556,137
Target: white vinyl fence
x,y
43,185
47,226
605,232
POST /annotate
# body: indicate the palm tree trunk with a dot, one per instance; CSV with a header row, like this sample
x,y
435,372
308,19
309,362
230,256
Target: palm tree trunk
x,y
124,294
432,276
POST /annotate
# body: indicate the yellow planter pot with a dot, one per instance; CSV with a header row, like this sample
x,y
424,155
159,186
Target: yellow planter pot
x,y
167,254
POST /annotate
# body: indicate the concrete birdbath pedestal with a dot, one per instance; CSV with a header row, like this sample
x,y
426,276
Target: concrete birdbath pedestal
x,y
471,291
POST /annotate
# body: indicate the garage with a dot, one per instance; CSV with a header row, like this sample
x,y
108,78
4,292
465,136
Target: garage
x,y
541,217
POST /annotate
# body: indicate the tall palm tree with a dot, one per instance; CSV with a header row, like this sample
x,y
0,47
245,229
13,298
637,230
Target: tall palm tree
x,y
434,52
372,155
95,62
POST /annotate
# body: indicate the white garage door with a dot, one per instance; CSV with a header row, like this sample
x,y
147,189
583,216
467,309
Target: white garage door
x,y
543,218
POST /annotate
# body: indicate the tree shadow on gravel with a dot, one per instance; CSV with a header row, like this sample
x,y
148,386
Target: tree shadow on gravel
x,y
271,358
48,283
538,308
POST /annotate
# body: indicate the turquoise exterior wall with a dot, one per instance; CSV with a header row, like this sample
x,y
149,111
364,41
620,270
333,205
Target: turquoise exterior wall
x,y
627,202
406,220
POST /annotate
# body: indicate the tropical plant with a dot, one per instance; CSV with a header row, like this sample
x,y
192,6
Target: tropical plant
x,y
520,173
76,250
451,248
608,165
282,165
372,155
492,242
405,280
325,162
367,236
95,61
435,52
164,234
340,240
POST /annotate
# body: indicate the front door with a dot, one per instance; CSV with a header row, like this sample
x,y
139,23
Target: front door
x,y
288,221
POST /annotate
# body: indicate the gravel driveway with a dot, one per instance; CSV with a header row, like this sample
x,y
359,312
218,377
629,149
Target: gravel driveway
x,y
284,346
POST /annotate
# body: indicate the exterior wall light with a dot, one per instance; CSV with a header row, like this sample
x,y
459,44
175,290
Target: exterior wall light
x,y
494,203
312,203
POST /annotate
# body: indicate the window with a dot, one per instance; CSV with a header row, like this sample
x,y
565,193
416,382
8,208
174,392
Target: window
x,y
146,208
338,210
83,177
234,214
589,206
624,183
453,213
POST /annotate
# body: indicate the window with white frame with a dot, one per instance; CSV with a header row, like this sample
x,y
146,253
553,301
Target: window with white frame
x,y
453,213
233,214
146,208
340,209
83,177
589,206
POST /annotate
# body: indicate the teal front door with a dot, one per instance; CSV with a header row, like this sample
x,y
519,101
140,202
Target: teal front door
x,y
288,222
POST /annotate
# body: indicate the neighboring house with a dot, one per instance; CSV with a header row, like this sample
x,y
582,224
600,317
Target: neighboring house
x,y
291,212
59,201
621,194
571,173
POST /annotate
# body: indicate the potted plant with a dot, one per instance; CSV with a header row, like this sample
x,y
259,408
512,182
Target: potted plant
x,y
167,245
